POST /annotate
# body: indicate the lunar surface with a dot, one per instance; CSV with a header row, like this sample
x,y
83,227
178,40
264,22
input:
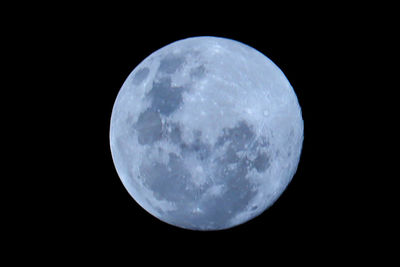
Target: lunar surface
x,y
206,133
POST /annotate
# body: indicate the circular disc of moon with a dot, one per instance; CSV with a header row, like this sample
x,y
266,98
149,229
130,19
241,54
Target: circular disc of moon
x,y
206,133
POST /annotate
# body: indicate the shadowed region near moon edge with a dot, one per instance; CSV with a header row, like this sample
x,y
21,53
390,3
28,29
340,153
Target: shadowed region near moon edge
x,y
149,127
140,76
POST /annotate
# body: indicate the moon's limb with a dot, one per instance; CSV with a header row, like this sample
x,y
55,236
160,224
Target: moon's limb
x,y
206,133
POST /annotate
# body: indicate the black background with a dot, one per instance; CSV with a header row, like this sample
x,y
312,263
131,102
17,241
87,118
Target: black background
x,y
87,56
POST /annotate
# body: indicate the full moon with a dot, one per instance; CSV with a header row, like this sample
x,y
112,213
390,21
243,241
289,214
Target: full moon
x,y
206,133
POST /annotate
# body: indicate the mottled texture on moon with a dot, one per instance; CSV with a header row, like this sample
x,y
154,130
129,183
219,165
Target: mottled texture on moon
x,y
206,133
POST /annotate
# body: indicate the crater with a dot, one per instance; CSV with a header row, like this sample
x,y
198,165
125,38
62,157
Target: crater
x,y
231,173
242,138
175,135
148,127
215,211
200,149
170,63
261,163
238,137
167,181
198,72
140,76
235,198
165,97
197,147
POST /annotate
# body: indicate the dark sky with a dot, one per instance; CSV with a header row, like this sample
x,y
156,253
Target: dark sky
x,y
309,205
86,56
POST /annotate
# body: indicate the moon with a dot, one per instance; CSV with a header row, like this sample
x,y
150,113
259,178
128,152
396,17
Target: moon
x,y
206,133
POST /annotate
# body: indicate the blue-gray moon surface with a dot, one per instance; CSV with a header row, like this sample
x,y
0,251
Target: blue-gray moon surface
x,y
206,133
